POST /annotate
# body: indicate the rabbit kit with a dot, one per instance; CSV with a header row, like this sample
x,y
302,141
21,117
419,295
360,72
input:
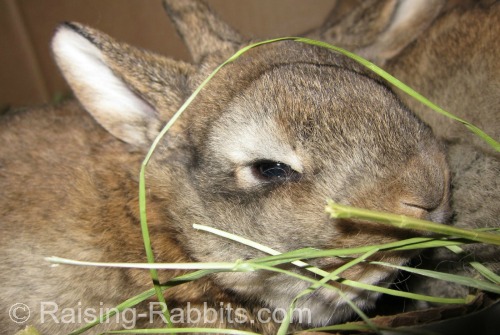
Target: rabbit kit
x,y
272,136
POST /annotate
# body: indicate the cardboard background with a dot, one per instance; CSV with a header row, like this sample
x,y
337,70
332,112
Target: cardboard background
x,y
29,76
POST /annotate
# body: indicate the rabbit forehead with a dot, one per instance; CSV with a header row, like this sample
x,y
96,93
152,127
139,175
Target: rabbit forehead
x,y
296,107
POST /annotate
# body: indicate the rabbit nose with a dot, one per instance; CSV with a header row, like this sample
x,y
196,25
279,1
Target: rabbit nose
x,y
424,190
416,210
439,212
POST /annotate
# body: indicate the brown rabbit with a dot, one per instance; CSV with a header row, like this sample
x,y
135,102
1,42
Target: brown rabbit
x,y
446,50
271,137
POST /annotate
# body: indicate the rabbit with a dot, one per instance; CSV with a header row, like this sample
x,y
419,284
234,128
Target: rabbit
x,y
446,50
256,153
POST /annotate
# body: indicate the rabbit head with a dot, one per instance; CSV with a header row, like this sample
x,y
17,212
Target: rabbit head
x,y
269,139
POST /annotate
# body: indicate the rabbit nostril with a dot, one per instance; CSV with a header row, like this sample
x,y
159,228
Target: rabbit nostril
x,y
418,206
432,212
418,210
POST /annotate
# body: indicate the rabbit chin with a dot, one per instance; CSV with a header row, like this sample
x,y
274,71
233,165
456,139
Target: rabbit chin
x,y
324,306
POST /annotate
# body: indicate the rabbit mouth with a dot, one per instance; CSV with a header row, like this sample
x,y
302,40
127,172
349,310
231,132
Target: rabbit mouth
x,y
329,306
325,305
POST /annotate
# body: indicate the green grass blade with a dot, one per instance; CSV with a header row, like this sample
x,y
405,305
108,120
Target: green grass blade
x,y
405,88
401,221
483,270
362,328
147,244
120,308
182,331
402,294
343,327
465,281
408,244
132,302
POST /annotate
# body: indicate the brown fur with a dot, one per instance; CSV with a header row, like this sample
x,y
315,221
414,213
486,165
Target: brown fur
x,y
69,181
452,61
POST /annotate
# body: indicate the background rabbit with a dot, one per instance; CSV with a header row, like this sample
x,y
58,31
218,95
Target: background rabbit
x,y
257,153
446,50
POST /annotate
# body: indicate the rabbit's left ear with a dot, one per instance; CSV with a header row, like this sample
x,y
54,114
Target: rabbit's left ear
x,y
398,23
130,92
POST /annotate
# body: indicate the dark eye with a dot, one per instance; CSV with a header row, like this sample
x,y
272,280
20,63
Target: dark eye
x,y
274,171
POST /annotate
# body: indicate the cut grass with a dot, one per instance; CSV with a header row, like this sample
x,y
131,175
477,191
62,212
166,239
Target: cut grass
x,y
270,263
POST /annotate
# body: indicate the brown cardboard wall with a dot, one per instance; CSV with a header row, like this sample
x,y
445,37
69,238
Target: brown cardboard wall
x,y
29,76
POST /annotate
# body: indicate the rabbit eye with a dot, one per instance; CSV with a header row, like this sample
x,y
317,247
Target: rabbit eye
x,y
274,171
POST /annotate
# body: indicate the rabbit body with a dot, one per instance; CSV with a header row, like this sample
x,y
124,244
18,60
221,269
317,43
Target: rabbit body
x,y
272,136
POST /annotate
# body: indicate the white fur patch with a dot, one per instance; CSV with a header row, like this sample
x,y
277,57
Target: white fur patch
x,y
100,91
407,10
256,143
252,141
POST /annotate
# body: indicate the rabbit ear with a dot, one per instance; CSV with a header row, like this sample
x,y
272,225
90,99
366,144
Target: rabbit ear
x,y
396,24
128,91
408,20
202,31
